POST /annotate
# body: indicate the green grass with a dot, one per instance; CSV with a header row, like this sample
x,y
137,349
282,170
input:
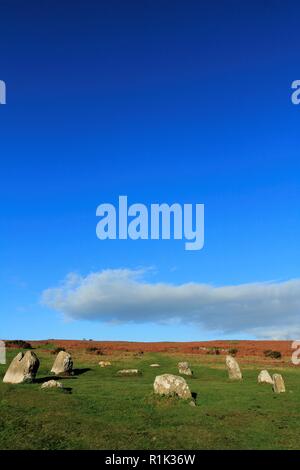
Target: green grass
x,y
104,411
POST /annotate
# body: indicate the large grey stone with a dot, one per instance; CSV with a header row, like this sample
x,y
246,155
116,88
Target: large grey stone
x,y
23,368
264,377
63,364
170,385
278,385
234,371
52,384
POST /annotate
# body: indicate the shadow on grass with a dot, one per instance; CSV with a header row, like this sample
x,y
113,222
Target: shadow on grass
x,y
74,375
45,379
81,371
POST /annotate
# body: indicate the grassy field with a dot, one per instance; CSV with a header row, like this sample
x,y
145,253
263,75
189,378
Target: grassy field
x,y
99,410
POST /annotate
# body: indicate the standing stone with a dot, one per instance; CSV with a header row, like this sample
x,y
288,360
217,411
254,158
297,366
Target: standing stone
x,y
264,377
278,385
170,385
104,363
63,364
154,365
234,371
23,368
183,368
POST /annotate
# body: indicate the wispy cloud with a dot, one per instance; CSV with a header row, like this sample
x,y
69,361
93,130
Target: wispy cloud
x,y
269,309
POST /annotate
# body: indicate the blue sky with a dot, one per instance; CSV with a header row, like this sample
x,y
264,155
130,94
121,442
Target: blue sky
x,y
180,101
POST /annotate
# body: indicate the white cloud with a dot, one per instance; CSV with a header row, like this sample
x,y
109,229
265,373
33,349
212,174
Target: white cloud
x,y
269,309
